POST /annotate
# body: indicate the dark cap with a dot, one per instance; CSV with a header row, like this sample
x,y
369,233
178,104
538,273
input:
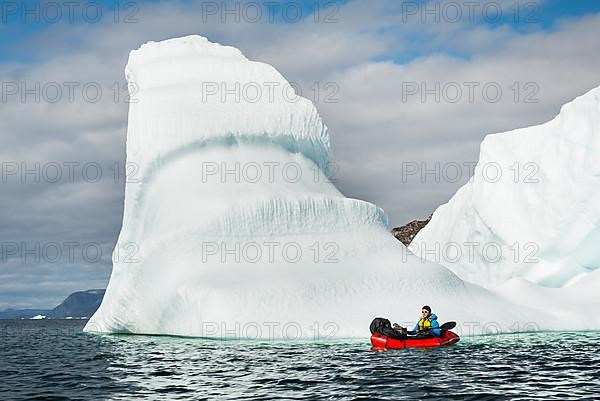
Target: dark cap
x,y
427,308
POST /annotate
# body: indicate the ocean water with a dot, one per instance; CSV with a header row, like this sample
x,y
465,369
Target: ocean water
x,y
54,360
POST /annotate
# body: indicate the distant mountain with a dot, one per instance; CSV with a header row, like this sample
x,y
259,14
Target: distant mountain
x,y
408,232
78,304
81,304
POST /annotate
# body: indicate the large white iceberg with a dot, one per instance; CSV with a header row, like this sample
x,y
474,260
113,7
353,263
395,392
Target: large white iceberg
x,y
238,231
532,208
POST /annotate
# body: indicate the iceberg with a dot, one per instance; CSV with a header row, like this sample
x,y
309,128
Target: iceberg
x,y
236,229
532,209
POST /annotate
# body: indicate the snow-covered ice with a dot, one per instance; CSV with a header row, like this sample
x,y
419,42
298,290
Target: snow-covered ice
x,y
540,217
278,254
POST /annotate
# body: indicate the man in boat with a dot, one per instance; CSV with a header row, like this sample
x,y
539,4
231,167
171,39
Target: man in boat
x,y
428,325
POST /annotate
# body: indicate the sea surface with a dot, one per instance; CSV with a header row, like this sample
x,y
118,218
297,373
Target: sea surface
x,y
54,360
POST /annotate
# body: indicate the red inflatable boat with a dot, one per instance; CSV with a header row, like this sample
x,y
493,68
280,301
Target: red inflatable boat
x,y
447,338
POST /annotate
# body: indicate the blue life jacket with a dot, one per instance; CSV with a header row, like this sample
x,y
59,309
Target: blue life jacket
x,y
429,324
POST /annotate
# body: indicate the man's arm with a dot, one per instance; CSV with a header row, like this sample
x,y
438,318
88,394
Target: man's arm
x,y
435,328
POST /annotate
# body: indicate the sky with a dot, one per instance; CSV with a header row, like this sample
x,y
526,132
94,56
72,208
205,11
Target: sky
x,y
408,90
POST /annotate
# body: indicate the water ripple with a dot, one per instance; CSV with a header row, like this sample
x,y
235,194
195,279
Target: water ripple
x,y
53,360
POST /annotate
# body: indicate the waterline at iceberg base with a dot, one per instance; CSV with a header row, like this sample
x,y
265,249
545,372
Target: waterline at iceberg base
x,y
328,264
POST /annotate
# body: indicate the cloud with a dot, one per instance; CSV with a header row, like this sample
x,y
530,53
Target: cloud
x,y
373,122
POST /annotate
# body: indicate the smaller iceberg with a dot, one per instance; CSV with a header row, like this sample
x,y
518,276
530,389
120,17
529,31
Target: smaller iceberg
x,y
532,209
